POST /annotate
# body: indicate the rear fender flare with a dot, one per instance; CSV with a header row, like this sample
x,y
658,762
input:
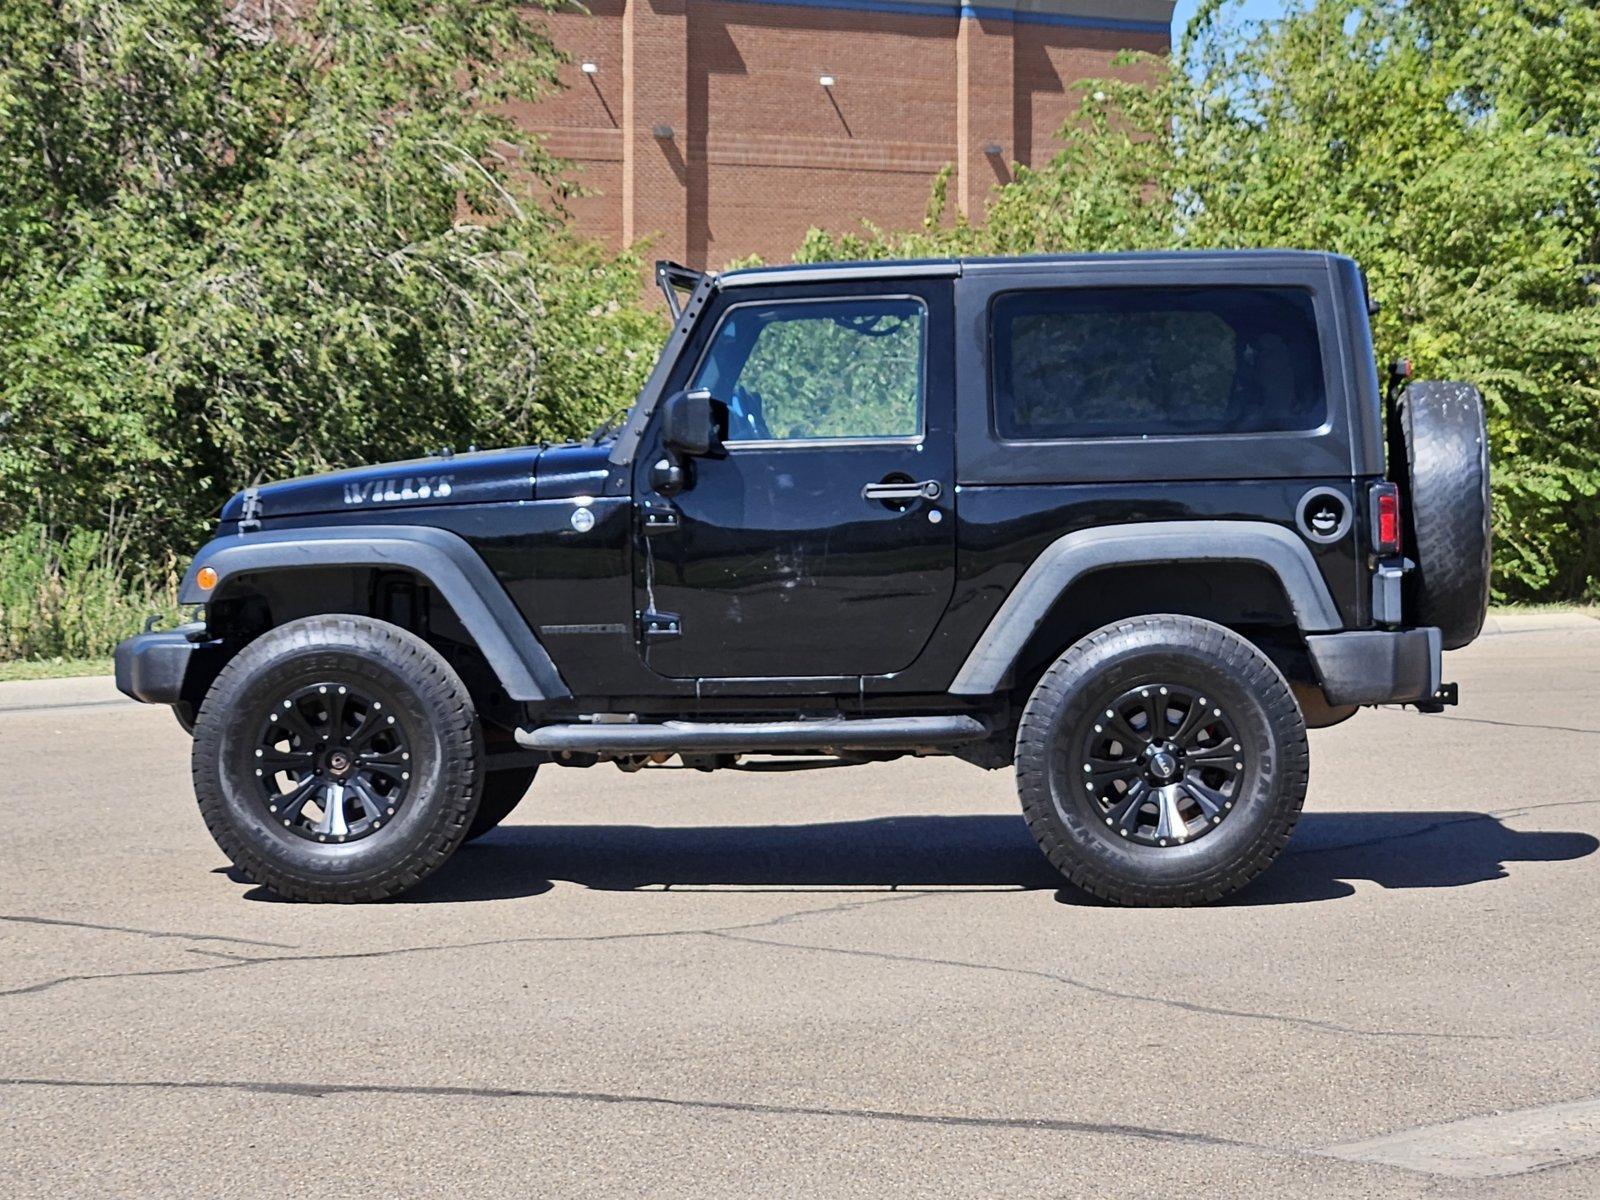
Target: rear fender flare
x,y
1069,558
443,558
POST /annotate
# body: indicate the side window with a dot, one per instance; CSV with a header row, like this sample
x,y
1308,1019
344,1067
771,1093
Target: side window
x,y
819,369
1126,362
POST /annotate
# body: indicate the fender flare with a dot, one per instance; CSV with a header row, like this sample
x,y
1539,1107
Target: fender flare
x,y
1068,559
443,558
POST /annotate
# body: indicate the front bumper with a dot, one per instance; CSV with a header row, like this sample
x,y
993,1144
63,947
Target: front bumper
x,y
1379,666
175,666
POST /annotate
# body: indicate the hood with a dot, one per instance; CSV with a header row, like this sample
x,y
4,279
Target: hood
x,y
476,478
574,469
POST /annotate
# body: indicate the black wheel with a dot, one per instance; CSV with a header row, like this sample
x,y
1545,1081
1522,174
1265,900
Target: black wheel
x,y
1162,761
503,790
337,758
1444,449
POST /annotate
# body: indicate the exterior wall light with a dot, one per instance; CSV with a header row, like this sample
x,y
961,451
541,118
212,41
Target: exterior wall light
x,y
826,81
664,132
590,68
993,149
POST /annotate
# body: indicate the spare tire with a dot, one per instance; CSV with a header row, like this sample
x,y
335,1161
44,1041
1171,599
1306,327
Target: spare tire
x,y
1445,447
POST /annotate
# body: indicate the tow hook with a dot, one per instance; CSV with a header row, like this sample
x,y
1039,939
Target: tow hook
x,y
1448,696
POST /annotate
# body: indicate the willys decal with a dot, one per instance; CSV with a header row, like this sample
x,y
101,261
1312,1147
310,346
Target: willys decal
x,y
388,491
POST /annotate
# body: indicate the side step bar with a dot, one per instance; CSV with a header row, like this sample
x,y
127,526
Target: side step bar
x,y
868,733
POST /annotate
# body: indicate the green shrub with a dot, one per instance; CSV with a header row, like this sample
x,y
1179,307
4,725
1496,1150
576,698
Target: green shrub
x,y
72,598
1452,149
242,240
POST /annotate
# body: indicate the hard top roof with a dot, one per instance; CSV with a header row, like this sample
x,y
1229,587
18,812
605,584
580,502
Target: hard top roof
x,y
950,267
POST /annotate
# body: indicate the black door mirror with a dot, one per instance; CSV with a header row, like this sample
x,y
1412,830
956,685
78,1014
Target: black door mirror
x,y
694,424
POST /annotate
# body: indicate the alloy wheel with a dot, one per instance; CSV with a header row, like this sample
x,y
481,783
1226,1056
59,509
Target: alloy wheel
x,y
1161,764
332,762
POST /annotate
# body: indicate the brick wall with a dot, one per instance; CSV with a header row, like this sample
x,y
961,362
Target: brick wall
x,y
705,126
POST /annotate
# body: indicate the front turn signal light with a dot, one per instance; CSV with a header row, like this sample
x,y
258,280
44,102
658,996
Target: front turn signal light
x,y
206,577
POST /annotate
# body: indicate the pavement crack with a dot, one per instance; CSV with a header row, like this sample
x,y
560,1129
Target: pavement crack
x,y
320,1091
149,933
224,954
263,960
1521,725
1382,839
23,710
1523,809
1188,1006
807,913
1432,827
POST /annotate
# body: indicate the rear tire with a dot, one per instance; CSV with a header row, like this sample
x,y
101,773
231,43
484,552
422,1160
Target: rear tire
x,y
1187,806
338,758
503,790
1445,444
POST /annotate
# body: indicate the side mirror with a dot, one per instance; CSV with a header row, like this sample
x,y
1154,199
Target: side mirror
x,y
694,424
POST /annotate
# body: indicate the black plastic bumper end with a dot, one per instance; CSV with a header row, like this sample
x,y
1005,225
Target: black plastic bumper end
x,y
1379,666
174,666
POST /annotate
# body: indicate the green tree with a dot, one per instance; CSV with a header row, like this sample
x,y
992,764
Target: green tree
x,y
243,239
1453,149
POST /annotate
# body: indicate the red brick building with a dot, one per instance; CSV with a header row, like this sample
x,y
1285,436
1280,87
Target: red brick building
x,y
723,128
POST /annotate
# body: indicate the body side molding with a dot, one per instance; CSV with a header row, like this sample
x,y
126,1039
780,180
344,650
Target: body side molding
x,y
444,559
1066,560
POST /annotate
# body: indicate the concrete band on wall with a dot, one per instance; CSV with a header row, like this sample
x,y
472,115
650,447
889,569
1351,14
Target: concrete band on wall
x,y
1139,16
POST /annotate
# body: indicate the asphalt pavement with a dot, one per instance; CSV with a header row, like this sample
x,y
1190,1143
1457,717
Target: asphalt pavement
x,y
850,982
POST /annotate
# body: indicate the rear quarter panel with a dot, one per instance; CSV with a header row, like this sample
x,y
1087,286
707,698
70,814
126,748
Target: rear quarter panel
x,y
1014,499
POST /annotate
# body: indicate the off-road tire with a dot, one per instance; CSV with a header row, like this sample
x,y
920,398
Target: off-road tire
x,y
503,790
1121,658
433,709
1445,447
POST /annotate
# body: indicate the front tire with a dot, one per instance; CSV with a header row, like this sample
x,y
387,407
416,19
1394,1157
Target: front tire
x,y
1162,761
338,758
503,790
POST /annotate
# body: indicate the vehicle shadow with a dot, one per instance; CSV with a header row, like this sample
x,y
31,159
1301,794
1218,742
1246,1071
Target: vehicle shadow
x,y
1327,853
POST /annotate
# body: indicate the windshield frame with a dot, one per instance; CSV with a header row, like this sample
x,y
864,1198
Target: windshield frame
x,y
632,428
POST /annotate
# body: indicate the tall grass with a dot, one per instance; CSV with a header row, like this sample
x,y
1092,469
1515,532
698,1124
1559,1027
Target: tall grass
x,y
71,597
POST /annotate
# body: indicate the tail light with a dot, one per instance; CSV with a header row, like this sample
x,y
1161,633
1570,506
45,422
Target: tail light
x,y
1386,518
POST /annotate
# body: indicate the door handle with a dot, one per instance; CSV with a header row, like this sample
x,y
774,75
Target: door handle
x,y
928,489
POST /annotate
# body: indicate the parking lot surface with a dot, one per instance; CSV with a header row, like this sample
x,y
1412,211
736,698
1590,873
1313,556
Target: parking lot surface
x,y
860,982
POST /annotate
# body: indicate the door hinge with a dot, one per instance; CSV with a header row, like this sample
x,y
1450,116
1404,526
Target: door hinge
x,y
657,626
659,520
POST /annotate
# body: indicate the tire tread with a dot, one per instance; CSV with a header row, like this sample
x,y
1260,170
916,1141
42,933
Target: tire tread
x,y
438,687
1230,653
1445,442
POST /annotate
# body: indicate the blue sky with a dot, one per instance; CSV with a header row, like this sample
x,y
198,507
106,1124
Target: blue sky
x,y
1253,10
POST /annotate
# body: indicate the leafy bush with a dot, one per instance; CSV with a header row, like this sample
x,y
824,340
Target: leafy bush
x,y
1452,149
247,239
71,599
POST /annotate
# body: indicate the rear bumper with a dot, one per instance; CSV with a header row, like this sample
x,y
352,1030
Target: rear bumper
x,y
1378,666
175,666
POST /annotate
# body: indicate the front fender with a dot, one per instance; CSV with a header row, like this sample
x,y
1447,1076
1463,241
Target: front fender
x,y
442,558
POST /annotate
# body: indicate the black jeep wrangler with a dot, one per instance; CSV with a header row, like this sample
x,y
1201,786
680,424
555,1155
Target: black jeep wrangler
x,y
1122,521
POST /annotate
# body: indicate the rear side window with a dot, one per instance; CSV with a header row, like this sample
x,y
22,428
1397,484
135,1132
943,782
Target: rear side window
x,y
1132,362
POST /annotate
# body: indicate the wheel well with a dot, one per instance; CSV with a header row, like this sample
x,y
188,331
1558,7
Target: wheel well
x,y
1247,598
248,605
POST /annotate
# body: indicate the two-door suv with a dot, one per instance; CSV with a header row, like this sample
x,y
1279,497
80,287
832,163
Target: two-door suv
x,y
1130,523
